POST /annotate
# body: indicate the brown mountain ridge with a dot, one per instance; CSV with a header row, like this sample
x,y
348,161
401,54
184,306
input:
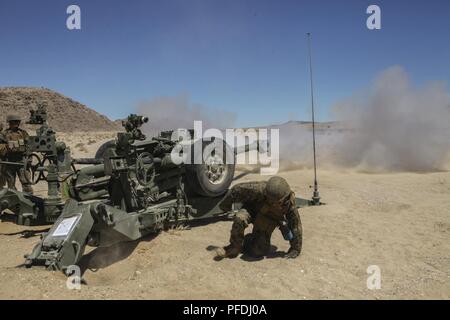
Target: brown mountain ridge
x,y
64,114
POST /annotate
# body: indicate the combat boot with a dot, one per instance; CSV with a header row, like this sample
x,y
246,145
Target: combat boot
x,y
229,251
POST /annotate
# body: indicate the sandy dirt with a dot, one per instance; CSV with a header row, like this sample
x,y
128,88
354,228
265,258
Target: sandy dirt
x,y
399,222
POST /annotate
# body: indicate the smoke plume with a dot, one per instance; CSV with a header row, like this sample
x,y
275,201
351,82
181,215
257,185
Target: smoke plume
x,y
169,113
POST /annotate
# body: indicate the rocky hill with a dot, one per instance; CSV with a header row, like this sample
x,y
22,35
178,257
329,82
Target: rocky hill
x,y
64,114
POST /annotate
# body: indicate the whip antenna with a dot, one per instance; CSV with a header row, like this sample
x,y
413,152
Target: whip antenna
x,y
315,197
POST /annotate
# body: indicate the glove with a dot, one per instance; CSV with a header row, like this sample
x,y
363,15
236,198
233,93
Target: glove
x,y
227,202
292,253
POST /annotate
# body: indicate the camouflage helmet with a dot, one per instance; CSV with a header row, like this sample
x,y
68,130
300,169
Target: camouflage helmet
x,y
277,189
13,117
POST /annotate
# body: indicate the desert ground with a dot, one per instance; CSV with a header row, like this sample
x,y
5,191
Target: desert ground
x,y
399,222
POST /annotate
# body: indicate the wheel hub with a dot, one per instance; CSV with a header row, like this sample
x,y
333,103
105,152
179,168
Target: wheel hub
x,y
215,170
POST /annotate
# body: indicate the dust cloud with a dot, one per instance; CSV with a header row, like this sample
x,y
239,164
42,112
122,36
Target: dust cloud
x,y
389,126
396,126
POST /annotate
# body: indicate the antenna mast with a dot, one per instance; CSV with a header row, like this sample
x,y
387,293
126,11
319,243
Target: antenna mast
x,y
316,196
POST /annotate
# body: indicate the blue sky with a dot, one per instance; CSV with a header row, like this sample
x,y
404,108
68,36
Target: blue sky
x,y
243,56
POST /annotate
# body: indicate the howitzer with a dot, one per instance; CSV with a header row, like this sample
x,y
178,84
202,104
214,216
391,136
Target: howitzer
x,y
38,116
136,189
46,159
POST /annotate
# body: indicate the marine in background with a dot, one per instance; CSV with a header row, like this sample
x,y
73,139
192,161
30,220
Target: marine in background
x,y
15,138
266,205
2,157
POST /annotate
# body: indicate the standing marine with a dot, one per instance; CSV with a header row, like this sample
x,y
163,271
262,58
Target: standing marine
x,y
267,205
2,157
15,151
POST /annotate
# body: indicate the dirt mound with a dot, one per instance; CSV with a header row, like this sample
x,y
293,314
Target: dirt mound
x,y
64,114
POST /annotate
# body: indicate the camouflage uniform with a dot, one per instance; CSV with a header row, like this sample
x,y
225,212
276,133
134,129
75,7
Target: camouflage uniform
x,y
266,214
16,147
2,157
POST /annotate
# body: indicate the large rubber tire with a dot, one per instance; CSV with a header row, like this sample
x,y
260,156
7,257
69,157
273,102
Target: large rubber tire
x,y
197,180
100,154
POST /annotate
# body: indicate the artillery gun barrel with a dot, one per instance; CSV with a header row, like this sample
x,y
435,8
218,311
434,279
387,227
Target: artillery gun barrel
x,y
13,163
97,182
87,161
